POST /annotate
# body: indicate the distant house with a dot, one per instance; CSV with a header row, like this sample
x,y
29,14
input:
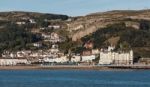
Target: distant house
x,y
13,55
54,49
46,36
7,54
32,21
20,23
37,44
23,54
54,36
34,54
54,26
43,28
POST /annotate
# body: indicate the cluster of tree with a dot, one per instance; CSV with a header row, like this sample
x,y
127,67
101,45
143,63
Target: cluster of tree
x,y
2,23
16,38
41,20
53,17
145,25
68,46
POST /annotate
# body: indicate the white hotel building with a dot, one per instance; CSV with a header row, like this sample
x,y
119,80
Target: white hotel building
x,y
120,58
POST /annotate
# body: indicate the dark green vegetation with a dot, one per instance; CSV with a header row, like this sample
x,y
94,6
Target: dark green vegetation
x,y
42,23
16,38
124,38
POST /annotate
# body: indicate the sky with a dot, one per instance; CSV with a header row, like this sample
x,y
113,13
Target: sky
x,y
72,7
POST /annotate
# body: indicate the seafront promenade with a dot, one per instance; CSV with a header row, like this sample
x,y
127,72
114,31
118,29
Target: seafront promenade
x,y
78,67
53,67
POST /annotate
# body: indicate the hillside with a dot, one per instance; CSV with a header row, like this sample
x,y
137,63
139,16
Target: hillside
x,y
19,30
128,29
83,26
124,38
24,15
124,29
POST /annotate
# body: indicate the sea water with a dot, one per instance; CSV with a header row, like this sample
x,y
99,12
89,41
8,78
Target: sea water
x,y
74,78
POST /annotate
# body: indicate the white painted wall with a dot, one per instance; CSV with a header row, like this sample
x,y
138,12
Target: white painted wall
x,y
75,59
12,61
88,58
114,57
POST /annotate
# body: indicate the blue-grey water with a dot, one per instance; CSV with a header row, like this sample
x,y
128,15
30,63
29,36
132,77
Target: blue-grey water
x,y
74,78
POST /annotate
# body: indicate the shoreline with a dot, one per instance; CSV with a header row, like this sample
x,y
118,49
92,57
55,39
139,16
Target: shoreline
x,y
35,67
73,67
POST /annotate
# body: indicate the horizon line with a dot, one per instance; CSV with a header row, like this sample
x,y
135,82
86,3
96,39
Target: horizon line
x,y
75,15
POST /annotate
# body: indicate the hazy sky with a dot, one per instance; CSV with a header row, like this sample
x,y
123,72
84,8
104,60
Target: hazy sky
x,y
72,7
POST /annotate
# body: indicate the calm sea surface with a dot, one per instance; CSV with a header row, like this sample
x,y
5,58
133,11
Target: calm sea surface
x,y
74,78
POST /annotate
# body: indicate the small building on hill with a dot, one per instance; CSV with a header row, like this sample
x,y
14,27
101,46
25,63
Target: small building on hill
x,y
54,26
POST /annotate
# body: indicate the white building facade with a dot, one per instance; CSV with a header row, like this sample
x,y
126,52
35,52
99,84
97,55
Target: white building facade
x,y
56,60
76,58
110,57
89,58
9,62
